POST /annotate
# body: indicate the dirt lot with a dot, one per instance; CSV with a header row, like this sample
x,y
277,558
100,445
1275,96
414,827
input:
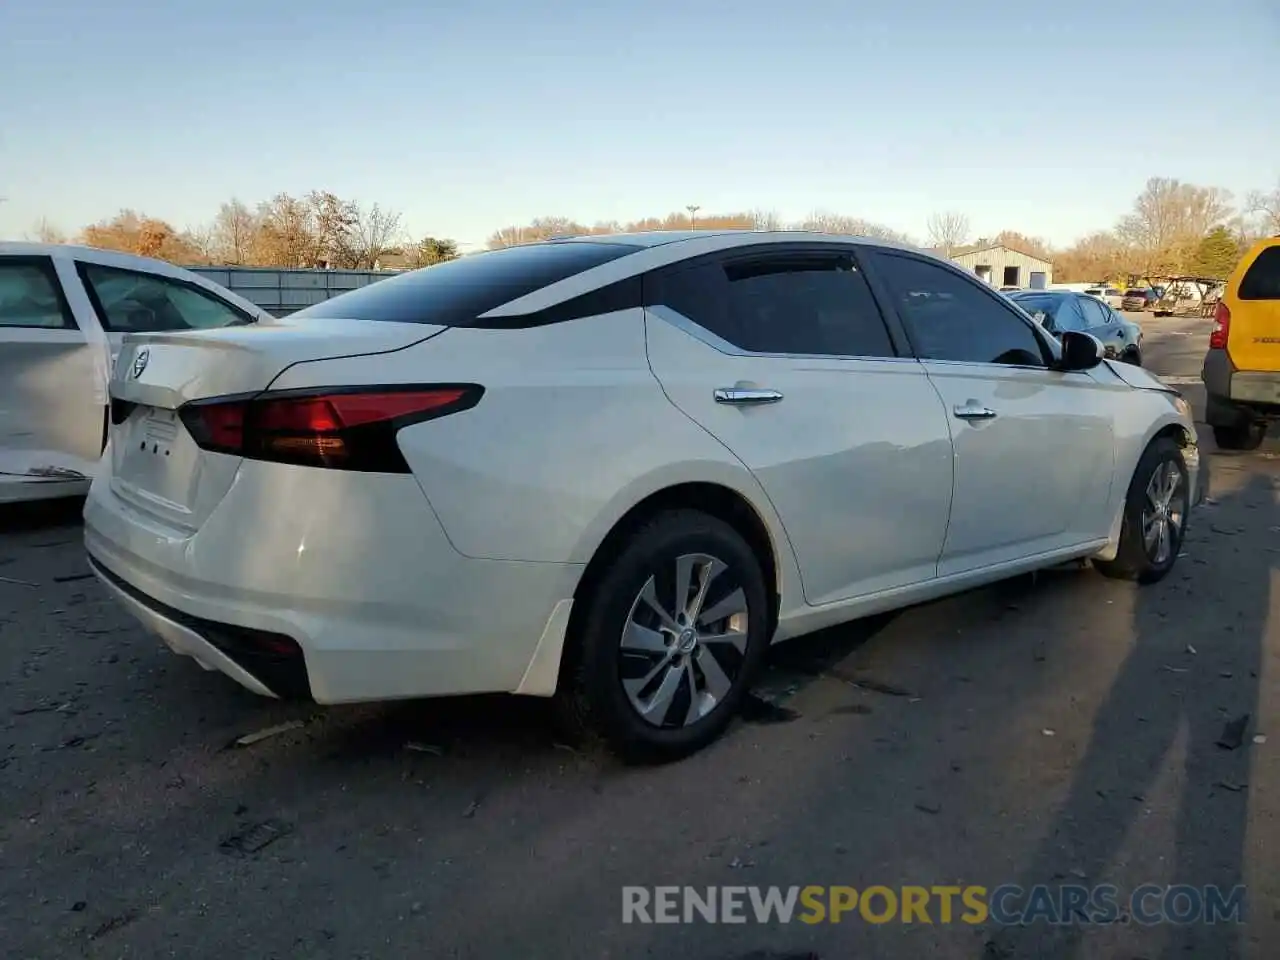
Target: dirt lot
x,y
1061,729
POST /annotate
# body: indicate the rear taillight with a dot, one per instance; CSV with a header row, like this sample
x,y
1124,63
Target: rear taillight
x,y
341,428
1221,327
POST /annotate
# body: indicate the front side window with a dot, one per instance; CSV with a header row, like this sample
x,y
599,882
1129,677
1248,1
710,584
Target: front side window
x,y
786,303
130,302
952,318
30,295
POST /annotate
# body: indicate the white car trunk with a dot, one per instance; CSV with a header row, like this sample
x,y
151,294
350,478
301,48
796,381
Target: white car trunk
x,y
156,465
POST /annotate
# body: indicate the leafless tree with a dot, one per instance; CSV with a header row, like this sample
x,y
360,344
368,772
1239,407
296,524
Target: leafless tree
x,y
46,232
1168,221
822,221
234,230
370,234
766,220
1267,206
948,231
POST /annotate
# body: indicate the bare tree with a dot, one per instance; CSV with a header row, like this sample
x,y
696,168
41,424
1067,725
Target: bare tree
x,y
766,220
370,233
44,231
821,221
234,230
1267,205
1169,220
948,231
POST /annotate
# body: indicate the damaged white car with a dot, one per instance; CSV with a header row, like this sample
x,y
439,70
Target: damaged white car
x,y
63,313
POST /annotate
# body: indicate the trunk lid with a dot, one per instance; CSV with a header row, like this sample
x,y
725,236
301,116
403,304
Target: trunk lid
x,y
156,466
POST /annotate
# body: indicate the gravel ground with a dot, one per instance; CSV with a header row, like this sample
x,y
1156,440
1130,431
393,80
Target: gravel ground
x,y
1061,729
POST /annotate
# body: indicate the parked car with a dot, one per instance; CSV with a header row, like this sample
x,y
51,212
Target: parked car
x,y
1138,300
1242,366
1009,289
1111,296
614,470
1060,311
63,313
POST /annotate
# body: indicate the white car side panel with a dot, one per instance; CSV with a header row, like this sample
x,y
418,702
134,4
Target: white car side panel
x,y
554,453
1017,489
853,449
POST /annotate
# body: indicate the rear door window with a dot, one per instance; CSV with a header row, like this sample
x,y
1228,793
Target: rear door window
x,y
455,293
30,295
1262,280
131,302
794,303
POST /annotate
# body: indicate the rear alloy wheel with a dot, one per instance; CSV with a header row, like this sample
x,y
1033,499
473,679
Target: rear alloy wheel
x,y
1155,517
668,640
1246,436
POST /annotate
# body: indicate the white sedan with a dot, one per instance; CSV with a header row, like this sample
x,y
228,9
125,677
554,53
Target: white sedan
x,y
613,470
64,311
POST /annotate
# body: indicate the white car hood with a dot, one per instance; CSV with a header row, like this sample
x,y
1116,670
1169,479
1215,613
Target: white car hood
x,y
1137,377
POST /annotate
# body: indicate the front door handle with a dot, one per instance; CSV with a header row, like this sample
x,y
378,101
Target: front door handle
x,y
973,410
743,396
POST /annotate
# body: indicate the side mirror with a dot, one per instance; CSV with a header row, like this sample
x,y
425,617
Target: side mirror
x,y
1080,351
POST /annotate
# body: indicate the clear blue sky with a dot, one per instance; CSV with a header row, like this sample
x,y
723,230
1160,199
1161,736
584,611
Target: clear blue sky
x,y
469,116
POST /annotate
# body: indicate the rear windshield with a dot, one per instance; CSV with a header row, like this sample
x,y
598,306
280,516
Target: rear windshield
x,y
453,294
1262,280
1135,293
1094,292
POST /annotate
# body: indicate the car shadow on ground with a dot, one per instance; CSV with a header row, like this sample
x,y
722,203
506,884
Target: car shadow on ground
x,y
1200,721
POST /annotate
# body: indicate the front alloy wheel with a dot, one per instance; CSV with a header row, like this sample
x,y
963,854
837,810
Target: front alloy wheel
x,y
1155,516
1164,512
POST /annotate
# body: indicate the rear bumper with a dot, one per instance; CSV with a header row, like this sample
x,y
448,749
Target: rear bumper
x,y
353,572
1236,395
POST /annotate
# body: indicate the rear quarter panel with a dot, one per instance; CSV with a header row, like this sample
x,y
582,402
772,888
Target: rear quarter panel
x,y
572,431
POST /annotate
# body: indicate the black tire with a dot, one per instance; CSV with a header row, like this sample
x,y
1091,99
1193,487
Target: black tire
x,y
1132,356
591,700
1135,560
1242,436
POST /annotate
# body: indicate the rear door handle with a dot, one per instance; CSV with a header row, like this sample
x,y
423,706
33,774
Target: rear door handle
x,y
973,410
742,396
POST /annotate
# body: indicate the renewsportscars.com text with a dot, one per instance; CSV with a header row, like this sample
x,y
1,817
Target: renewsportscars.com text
x,y
1008,904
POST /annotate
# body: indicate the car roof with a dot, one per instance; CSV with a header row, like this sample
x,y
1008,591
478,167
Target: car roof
x,y
1048,293
655,238
652,250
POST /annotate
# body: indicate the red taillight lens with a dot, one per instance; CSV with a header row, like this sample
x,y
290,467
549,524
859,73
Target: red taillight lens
x,y
1221,327
343,429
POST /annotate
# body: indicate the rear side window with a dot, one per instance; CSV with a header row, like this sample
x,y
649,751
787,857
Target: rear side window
x,y
454,293
30,295
1262,280
786,303
132,302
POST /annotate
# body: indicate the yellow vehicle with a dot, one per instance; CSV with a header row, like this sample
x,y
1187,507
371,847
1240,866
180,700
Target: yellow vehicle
x,y
1242,368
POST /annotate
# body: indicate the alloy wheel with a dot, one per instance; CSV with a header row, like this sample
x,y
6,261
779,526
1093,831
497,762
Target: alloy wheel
x,y
1164,512
685,641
